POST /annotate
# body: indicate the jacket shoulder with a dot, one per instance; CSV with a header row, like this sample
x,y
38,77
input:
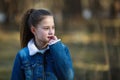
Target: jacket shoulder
x,y
24,52
64,46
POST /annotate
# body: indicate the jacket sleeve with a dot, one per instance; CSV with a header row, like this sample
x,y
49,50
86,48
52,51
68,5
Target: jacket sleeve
x,y
17,72
62,61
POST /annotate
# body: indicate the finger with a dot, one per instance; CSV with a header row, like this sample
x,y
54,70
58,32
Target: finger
x,y
55,37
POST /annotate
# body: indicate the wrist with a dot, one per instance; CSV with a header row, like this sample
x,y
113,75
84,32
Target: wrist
x,y
53,42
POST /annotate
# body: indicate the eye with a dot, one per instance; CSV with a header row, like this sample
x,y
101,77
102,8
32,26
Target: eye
x,y
53,27
46,28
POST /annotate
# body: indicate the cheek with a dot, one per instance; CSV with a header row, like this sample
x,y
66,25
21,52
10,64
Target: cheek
x,y
38,34
43,34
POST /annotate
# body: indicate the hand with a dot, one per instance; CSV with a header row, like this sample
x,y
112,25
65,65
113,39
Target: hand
x,y
53,39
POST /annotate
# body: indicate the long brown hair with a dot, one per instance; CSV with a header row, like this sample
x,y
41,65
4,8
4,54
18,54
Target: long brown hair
x,y
31,18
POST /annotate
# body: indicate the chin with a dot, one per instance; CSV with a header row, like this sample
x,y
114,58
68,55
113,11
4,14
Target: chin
x,y
47,41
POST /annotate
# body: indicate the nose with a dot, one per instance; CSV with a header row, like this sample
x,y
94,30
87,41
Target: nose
x,y
51,32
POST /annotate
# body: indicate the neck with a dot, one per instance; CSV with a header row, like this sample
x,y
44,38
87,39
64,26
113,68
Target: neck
x,y
40,44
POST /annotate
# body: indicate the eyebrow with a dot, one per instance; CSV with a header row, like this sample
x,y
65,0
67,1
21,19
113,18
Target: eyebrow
x,y
48,26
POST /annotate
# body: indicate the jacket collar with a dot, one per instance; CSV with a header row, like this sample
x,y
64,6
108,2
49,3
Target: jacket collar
x,y
33,49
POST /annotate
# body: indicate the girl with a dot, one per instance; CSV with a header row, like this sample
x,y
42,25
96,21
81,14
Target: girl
x,y
43,56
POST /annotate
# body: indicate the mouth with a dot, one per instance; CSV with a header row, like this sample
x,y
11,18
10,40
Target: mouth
x,y
50,37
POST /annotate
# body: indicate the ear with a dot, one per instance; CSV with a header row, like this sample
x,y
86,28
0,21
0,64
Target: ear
x,y
32,29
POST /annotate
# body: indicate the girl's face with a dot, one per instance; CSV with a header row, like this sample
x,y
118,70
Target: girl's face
x,y
44,30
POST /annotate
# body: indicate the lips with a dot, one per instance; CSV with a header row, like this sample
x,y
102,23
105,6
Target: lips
x,y
50,37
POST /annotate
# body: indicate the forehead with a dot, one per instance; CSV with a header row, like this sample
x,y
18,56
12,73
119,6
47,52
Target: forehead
x,y
47,20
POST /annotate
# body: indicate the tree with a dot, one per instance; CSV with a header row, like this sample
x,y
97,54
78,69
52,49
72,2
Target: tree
x,y
13,10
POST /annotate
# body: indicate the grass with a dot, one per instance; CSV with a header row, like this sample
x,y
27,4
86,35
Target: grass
x,y
9,45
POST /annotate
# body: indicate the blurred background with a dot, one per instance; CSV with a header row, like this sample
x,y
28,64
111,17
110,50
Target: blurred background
x,y
91,29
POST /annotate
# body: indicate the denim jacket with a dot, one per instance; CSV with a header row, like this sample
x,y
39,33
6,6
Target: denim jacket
x,y
54,64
